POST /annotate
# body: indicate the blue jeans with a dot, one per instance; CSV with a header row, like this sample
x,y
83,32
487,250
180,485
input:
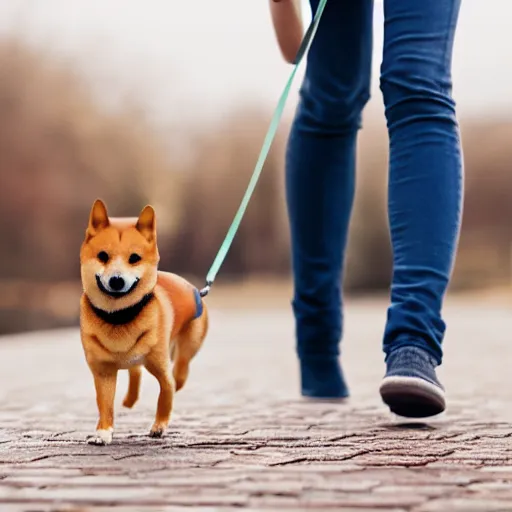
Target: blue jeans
x,y
425,173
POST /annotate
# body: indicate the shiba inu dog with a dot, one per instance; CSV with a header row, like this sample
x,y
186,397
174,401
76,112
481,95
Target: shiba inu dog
x,y
132,315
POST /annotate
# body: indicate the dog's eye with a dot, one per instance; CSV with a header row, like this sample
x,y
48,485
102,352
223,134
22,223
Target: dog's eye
x,y
134,258
103,256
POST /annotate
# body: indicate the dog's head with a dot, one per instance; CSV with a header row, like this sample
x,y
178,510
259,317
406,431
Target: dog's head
x,y
118,258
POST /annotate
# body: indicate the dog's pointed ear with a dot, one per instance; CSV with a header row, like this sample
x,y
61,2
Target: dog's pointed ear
x,y
146,223
98,218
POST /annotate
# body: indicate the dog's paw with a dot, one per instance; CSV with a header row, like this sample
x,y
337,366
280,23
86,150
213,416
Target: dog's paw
x,y
129,402
100,438
157,430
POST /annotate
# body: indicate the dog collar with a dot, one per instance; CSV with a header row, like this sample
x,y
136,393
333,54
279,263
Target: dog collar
x,y
122,316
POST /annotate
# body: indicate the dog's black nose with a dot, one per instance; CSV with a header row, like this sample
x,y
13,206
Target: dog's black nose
x,y
116,283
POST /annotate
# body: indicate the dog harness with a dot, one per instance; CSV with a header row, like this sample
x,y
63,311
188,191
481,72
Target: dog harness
x,y
199,303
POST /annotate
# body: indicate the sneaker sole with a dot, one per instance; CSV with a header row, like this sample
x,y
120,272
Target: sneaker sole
x,y
412,397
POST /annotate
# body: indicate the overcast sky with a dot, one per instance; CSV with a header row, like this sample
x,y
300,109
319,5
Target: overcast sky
x,y
200,57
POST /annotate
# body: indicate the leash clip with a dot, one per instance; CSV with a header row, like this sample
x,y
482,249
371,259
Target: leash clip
x,y
204,291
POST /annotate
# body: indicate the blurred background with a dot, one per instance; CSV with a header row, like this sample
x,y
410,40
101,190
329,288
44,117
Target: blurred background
x,y
167,102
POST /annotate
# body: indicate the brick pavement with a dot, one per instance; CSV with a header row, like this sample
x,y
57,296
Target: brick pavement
x,y
240,436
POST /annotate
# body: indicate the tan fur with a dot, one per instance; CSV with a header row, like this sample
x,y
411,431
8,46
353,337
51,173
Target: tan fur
x,y
164,327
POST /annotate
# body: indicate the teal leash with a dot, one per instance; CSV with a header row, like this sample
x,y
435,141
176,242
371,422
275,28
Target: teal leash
x,y
267,143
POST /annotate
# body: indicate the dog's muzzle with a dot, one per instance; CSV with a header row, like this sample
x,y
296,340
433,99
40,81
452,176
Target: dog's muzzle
x,y
116,286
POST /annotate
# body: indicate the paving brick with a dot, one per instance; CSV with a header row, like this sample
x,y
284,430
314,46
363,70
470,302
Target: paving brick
x,y
365,500
469,504
430,491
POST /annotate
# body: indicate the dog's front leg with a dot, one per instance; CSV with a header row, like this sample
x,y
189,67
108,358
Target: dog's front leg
x,y
105,378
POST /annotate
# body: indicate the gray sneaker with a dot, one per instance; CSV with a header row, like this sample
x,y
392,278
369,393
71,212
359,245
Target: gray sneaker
x,y
410,387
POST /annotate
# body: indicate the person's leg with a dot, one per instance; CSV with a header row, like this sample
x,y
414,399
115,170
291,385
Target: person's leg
x,y
320,167
425,183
